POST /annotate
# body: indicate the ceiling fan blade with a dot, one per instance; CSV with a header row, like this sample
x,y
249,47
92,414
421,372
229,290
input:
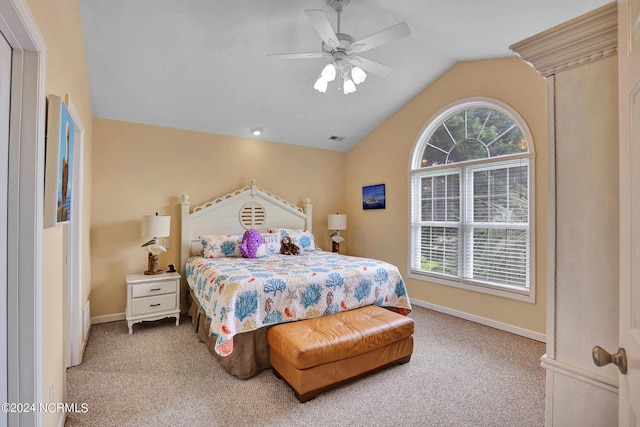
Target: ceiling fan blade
x,y
323,27
381,37
305,55
369,65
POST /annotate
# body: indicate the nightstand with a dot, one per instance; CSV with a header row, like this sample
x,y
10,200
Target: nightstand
x,y
152,297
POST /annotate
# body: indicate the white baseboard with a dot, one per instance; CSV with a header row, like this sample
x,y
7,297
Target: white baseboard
x,y
86,328
461,314
537,336
108,318
84,347
86,321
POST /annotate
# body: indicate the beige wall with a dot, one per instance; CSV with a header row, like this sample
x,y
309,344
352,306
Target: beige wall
x,y
384,157
142,169
59,23
139,170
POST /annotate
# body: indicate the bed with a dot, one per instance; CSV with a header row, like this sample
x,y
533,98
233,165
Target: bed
x,y
234,300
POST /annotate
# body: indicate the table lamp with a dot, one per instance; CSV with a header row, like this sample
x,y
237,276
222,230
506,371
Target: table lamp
x,y
336,222
155,226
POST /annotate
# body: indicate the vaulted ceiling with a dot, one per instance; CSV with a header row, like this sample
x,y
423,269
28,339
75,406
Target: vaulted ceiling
x,y
202,65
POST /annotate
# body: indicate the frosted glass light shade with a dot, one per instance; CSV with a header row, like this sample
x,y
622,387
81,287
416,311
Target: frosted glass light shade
x,y
358,75
348,87
337,222
329,72
156,225
321,85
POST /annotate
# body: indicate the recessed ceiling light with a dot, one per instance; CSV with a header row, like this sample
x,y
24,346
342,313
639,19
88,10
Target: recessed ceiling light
x,y
256,131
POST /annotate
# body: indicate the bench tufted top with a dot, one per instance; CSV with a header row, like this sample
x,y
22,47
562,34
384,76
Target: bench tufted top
x,y
338,336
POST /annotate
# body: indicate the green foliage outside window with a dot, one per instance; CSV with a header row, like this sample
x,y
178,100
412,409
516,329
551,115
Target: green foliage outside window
x,y
476,133
474,217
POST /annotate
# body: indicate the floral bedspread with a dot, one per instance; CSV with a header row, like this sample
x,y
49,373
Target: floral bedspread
x,y
241,295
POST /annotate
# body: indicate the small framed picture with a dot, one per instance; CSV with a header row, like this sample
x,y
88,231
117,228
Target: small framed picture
x,y
373,197
59,163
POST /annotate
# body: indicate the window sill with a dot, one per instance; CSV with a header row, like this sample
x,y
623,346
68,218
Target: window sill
x,y
527,296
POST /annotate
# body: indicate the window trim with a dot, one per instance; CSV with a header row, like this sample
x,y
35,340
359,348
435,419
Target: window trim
x,y
416,169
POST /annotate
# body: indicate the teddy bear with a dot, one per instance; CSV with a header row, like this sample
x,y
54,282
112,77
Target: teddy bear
x,y
253,245
287,247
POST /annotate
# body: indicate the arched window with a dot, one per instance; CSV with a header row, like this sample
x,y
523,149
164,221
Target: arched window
x,y
472,175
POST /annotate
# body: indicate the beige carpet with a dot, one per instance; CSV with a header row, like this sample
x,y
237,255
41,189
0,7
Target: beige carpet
x,y
461,374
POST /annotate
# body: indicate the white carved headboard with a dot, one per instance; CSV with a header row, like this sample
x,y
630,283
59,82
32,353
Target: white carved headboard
x,y
234,213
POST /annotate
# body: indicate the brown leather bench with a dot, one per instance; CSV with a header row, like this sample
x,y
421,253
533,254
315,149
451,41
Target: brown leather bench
x,y
317,354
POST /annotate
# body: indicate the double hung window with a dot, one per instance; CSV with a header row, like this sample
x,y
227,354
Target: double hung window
x,y
472,201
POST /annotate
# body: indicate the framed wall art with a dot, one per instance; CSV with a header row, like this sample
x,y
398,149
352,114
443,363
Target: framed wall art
x,y
373,197
58,163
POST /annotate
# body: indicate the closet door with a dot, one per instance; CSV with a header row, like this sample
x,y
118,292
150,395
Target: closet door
x,y
629,150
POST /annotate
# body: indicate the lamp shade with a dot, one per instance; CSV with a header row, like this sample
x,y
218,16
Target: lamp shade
x,y
337,222
156,225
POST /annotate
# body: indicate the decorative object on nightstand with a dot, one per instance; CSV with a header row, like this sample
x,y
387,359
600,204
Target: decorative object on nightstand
x,y
155,226
336,222
152,297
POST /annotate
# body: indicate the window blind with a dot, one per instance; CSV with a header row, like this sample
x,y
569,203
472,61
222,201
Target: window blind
x,y
474,223
471,224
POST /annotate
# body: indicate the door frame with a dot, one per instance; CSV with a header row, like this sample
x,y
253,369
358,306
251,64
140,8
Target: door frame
x,y
25,214
76,339
5,100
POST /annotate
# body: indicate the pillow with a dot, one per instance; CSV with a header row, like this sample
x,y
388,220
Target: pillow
x,y
219,245
301,238
272,242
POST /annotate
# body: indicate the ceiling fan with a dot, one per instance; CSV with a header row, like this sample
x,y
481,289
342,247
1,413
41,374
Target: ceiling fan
x,y
346,64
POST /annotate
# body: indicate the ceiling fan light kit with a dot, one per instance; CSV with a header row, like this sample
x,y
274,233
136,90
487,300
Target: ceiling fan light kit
x,y
350,75
343,48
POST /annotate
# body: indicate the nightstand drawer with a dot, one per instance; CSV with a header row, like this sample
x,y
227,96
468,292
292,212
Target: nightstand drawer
x,y
147,305
155,288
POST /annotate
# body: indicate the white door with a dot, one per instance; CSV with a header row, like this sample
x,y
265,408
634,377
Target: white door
x,y
629,100
5,84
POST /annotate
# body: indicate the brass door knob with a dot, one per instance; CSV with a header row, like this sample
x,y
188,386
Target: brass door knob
x,y
602,357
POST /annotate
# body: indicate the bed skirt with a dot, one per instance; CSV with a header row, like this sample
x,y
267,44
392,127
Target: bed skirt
x,y
250,349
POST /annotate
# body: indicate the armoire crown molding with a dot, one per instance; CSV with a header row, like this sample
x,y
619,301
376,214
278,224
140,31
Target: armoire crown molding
x,y
585,39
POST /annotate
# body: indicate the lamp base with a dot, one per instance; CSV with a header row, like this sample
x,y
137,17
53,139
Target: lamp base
x,y
153,265
148,273
335,247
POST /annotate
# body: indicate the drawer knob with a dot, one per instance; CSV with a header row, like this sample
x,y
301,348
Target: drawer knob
x,y
154,305
154,289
